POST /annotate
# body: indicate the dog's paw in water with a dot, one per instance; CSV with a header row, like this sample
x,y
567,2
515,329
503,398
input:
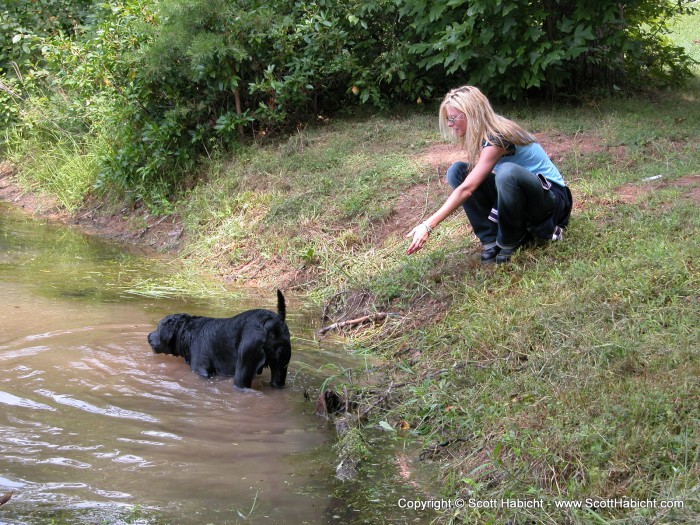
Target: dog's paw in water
x,y
247,391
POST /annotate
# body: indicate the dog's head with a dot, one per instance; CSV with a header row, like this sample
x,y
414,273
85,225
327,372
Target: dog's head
x,y
165,339
279,375
282,358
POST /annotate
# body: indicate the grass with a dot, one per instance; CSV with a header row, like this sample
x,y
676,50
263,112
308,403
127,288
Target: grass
x,y
311,202
58,160
572,376
65,171
685,34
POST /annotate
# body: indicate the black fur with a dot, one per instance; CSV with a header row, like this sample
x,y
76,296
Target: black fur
x,y
237,346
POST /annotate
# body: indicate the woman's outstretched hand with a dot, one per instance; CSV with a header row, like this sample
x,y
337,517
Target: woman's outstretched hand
x,y
420,236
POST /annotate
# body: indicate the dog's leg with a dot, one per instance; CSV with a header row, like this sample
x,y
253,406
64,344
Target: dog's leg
x,y
251,357
278,377
201,364
201,370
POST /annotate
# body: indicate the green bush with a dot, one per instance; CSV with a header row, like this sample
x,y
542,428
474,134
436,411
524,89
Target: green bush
x,y
559,46
24,26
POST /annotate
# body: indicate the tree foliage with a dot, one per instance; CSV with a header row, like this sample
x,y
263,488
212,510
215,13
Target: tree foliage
x,y
24,26
561,46
212,71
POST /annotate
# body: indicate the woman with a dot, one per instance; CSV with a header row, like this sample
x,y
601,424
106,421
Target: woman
x,y
512,192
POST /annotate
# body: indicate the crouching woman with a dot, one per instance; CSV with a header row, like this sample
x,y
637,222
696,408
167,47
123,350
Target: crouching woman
x,y
510,190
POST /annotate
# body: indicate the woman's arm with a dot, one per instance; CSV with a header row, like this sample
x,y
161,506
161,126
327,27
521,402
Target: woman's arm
x,y
487,160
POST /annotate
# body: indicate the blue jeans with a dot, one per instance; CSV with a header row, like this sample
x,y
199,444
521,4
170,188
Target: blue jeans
x,y
506,207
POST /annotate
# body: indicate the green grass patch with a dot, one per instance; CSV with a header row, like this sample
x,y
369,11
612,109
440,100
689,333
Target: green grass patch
x,y
570,375
61,168
684,33
312,200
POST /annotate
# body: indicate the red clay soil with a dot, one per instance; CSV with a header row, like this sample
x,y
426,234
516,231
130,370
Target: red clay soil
x,y
632,193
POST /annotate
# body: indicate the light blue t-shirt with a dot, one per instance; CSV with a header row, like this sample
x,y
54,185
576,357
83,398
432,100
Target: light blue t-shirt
x,y
531,157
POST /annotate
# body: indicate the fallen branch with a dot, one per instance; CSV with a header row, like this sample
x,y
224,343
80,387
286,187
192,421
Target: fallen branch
x,y
435,449
353,322
381,399
144,230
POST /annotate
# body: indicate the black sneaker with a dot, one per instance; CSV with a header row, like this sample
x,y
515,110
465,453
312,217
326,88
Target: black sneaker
x,y
490,254
505,254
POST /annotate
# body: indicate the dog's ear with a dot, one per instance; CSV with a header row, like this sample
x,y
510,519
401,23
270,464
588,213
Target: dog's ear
x,y
184,340
169,329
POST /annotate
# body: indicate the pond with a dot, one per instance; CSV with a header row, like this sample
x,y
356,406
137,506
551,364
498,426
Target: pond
x,y
96,428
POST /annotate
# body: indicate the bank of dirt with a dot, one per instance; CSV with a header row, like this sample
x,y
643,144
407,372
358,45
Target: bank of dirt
x,y
130,224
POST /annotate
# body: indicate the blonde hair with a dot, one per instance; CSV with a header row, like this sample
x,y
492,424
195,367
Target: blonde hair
x,y
482,123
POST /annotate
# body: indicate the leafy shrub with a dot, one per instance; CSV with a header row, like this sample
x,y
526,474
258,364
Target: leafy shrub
x,y
561,46
24,25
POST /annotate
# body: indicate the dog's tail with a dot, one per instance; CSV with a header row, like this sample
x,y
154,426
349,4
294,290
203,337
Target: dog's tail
x,y
281,307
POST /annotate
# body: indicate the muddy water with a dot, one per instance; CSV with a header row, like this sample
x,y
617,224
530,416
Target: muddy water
x,y
95,428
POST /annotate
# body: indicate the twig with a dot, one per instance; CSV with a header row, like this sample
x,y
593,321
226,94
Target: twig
x,y
434,449
381,398
144,230
7,89
352,322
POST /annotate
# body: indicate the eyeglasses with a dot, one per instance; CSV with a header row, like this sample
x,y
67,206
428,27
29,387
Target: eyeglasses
x,y
452,120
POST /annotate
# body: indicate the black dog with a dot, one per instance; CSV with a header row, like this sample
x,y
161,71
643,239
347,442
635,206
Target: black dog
x,y
236,346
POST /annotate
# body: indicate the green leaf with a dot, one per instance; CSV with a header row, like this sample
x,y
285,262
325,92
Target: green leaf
x,y
386,426
584,32
497,450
